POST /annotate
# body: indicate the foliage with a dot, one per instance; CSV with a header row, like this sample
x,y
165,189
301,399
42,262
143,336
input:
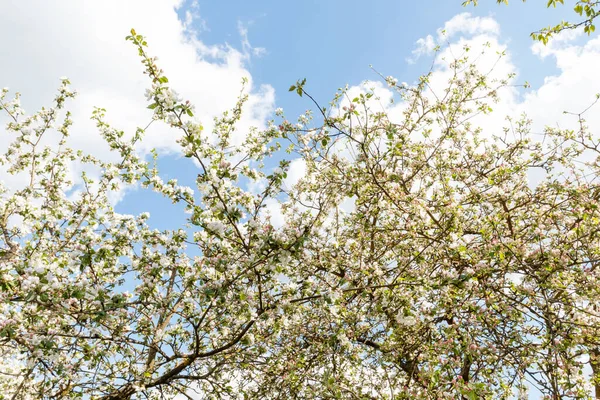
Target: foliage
x,y
450,276
587,9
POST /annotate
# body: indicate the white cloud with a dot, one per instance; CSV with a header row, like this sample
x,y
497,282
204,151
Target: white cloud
x,y
296,171
463,23
86,42
559,41
246,46
423,46
467,24
572,88
194,23
274,212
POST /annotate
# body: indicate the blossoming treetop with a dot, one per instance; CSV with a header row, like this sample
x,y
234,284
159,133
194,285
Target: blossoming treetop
x,y
450,277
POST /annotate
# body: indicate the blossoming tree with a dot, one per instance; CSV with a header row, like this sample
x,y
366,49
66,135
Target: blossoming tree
x,y
450,276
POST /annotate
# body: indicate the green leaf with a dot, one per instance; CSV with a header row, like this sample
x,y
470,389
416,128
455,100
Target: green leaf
x,y
292,88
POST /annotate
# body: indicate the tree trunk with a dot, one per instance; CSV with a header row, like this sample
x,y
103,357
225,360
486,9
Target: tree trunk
x,y
595,364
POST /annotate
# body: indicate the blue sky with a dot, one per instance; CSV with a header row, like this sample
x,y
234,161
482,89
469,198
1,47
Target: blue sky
x,y
332,43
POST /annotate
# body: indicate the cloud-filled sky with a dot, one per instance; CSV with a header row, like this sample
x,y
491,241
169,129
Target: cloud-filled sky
x,y
206,48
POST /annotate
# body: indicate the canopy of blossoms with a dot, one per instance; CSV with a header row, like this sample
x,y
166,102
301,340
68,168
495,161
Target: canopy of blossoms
x,y
450,275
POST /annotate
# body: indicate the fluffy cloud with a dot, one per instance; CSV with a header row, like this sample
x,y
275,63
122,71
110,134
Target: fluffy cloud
x,y
572,88
297,170
246,46
464,24
86,42
467,24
